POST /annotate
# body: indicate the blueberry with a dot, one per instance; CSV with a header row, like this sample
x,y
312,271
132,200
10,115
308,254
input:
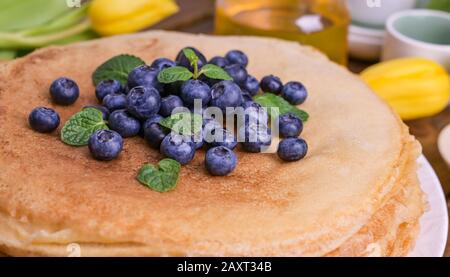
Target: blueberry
x,y
196,110
172,88
222,137
295,93
169,103
219,61
237,57
255,113
162,63
153,132
105,145
115,101
143,102
251,85
64,91
220,161
237,72
178,147
271,84
210,124
251,105
292,149
209,129
183,61
123,123
198,141
246,97
104,110
209,81
226,94
107,87
195,89
255,137
144,75
154,119
290,125
43,120
126,89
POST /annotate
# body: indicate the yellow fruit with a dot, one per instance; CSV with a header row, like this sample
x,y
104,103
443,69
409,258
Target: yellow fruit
x,y
112,17
414,87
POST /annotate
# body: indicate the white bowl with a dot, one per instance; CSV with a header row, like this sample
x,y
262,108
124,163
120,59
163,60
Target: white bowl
x,y
376,12
418,33
365,43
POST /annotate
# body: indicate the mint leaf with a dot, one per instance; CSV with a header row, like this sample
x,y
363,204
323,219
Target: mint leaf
x,y
184,123
214,72
190,55
173,74
160,178
81,126
270,100
116,68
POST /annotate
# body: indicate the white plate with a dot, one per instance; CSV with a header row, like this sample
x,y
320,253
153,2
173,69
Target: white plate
x,y
444,144
434,223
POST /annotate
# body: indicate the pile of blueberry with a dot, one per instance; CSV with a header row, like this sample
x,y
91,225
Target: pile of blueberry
x,y
138,108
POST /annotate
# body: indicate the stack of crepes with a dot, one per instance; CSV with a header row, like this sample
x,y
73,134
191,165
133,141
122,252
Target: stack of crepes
x,y
355,194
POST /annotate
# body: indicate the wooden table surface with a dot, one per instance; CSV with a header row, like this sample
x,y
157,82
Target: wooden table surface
x,y
197,16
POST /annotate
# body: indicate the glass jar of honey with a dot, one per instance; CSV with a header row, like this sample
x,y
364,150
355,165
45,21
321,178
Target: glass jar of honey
x,y
322,24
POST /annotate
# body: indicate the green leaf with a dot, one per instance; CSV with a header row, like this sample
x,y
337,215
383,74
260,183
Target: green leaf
x,y
190,55
18,15
443,5
116,68
215,72
87,35
81,126
66,20
173,74
270,100
6,54
21,41
183,123
64,27
160,178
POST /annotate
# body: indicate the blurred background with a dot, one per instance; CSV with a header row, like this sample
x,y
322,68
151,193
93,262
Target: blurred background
x,y
400,48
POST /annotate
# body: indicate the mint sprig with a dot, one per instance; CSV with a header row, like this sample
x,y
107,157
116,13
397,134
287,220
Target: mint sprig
x,y
184,123
116,68
81,126
162,177
270,100
179,73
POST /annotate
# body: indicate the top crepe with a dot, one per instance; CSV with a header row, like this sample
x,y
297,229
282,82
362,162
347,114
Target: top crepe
x,y
52,194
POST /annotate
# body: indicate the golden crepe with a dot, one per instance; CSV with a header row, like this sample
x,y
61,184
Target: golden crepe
x,y
355,194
